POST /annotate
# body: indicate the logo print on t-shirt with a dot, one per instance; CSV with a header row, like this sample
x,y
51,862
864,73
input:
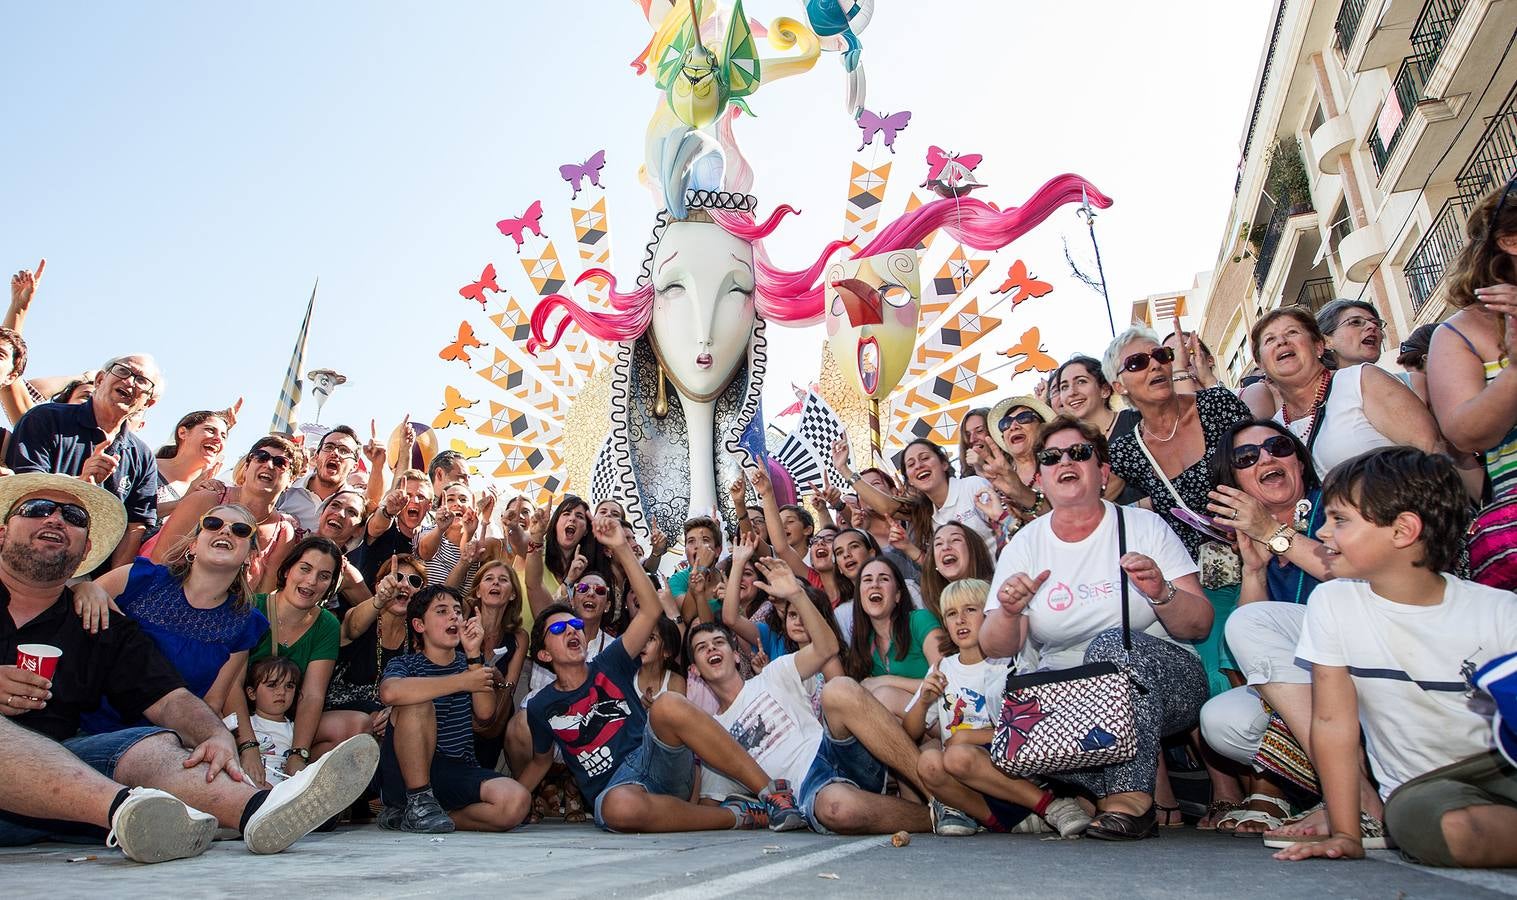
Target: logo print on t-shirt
x,y
1060,597
590,723
968,710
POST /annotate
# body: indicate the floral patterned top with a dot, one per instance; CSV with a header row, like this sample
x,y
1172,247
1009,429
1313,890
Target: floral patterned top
x,y
1218,409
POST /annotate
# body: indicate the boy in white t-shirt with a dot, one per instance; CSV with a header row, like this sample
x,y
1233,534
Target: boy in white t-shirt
x,y
1392,641
958,703
272,685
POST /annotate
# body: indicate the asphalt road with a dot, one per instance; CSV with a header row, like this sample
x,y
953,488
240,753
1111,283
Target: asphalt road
x,y
576,861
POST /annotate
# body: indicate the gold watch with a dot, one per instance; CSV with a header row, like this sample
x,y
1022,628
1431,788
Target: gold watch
x,y
1279,543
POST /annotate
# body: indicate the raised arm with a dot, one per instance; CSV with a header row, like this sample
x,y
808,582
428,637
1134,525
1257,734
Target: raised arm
x,y
537,531
609,532
869,495
780,582
779,546
732,613
14,397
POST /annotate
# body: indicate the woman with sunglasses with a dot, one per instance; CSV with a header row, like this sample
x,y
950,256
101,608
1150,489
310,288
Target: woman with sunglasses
x,y
192,460
497,599
198,610
260,477
1006,460
1057,590
373,632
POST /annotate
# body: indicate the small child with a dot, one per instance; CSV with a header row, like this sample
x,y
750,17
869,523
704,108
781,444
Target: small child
x,y
660,672
430,778
1393,640
272,685
959,701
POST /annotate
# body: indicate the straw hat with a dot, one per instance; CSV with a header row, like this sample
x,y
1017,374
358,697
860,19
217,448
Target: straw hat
x,y
999,411
107,514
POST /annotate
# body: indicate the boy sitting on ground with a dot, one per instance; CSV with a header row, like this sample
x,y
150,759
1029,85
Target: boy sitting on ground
x,y
958,703
1392,640
636,767
431,780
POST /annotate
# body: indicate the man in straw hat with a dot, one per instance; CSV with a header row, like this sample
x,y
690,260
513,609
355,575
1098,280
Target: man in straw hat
x,y
53,527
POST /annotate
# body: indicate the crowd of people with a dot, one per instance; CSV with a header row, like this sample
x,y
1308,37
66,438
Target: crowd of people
x,y
1304,585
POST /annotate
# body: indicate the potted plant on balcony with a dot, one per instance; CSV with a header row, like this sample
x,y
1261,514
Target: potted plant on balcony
x,y
1287,180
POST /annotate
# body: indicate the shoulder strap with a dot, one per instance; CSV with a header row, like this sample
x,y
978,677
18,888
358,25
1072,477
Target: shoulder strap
x,y
1466,340
1158,470
1318,414
1121,552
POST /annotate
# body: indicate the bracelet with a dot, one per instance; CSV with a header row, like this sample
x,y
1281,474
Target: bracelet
x,y
247,745
1182,376
1169,594
301,752
536,547
854,479
475,660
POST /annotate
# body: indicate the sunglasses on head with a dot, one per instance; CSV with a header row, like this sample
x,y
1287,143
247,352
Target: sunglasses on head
x,y
1279,446
41,508
598,590
216,523
1025,417
1139,362
1050,456
263,456
411,578
563,625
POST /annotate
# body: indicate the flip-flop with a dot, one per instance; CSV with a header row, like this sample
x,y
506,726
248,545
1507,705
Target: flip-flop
x,y
1242,813
1212,809
1371,830
1163,814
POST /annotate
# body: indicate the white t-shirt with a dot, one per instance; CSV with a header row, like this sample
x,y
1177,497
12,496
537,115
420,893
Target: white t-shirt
x,y
958,506
1407,663
972,698
274,738
772,719
1082,595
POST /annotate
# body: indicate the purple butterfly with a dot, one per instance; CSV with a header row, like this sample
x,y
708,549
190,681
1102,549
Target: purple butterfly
x,y
575,174
871,124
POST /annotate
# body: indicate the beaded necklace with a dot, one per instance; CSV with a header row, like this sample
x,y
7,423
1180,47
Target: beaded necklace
x,y
1316,406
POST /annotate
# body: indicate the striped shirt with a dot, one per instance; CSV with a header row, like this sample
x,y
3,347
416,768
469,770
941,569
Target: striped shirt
x,y
455,712
443,561
1501,460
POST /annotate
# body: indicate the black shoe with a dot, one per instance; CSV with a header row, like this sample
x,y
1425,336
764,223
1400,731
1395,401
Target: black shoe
x,y
1118,826
424,815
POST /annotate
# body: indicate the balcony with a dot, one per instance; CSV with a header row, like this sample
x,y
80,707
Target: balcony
x,y
1269,63
1406,92
1426,265
1331,141
1361,250
1316,292
1350,14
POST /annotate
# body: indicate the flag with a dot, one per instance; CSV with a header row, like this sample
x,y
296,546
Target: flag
x,y
289,395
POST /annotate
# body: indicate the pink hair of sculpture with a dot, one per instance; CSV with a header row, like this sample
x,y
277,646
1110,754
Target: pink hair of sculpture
x,y
796,297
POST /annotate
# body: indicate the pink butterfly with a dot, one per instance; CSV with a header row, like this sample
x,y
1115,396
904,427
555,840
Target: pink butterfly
x,y
951,174
575,174
531,220
476,291
871,124
1018,719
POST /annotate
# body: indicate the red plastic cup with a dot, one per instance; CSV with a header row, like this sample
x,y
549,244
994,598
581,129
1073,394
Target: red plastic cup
x,y
39,658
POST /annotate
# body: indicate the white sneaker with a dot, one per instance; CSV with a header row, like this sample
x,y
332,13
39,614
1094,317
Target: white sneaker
x,y
320,791
1067,817
154,826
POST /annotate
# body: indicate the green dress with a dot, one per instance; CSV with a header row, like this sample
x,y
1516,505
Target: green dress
x,y
915,664
319,642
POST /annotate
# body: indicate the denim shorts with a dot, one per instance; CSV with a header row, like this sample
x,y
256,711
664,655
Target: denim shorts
x,y
100,752
845,762
655,767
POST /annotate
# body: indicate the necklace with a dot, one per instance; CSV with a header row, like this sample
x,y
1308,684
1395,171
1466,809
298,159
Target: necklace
x,y
1285,412
1169,437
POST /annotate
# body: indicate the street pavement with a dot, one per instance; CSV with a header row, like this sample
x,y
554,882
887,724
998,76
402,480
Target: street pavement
x,y
557,860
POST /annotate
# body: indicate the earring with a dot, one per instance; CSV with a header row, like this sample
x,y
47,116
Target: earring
x,y
189,556
660,396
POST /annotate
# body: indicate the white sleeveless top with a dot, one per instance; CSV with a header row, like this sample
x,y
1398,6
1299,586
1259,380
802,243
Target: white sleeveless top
x,y
1345,432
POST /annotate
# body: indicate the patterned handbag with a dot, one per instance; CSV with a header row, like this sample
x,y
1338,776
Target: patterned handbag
x,y
1079,718
1493,544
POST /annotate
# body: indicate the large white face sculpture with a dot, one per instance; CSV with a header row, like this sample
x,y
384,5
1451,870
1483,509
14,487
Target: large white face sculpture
x,y
702,306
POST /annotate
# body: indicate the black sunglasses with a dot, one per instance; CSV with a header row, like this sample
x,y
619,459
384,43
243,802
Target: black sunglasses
x,y
1279,446
1138,362
563,625
216,523
1081,452
264,456
1490,227
411,578
1025,417
41,508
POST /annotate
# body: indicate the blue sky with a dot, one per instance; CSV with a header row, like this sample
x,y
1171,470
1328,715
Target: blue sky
x,y
189,169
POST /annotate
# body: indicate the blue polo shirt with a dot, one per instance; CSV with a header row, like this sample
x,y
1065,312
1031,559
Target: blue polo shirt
x,y
57,438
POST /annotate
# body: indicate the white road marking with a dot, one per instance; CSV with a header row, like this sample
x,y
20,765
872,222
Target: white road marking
x,y
740,881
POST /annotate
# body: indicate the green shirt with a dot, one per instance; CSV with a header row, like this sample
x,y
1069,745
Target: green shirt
x,y
319,642
923,622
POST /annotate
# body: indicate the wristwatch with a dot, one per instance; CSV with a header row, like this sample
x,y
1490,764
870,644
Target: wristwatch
x,y
475,660
1279,543
301,752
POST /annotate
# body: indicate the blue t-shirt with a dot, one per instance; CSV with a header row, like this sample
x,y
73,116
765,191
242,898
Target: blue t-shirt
x,y
198,642
1286,581
772,642
596,724
455,712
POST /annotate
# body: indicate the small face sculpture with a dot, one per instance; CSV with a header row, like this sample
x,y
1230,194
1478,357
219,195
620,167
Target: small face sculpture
x,y
872,309
703,309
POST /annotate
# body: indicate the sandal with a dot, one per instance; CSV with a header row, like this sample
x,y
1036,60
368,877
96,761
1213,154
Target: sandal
x,y
1119,826
1166,812
574,804
1229,823
1212,810
1371,835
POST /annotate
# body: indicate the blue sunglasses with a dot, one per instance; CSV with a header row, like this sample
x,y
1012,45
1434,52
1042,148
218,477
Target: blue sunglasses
x,y
563,625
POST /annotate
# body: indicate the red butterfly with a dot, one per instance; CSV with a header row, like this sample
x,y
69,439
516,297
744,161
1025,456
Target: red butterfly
x,y
1018,719
531,220
1025,286
459,349
951,174
1030,345
476,291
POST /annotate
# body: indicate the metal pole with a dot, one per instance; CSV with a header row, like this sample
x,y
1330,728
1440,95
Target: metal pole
x,y
1101,273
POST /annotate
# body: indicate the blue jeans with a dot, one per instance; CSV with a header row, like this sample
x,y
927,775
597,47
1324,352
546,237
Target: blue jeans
x,y
845,762
654,766
100,752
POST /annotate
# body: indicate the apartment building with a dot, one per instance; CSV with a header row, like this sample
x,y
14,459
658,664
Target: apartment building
x,y
1374,127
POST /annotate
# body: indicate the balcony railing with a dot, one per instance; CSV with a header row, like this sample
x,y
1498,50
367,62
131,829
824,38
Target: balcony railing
x,y
1350,14
1431,32
1407,91
1426,265
1269,63
1270,243
1316,293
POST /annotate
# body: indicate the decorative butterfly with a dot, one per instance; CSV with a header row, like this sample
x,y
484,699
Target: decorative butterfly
x,y
1030,345
464,450
476,291
452,402
951,174
871,124
459,349
700,85
1024,285
590,168
1097,738
1018,719
531,220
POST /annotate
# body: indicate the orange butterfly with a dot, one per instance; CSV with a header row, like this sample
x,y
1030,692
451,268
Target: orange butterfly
x,y
1030,345
1025,285
452,402
476,291
459,349
464,450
